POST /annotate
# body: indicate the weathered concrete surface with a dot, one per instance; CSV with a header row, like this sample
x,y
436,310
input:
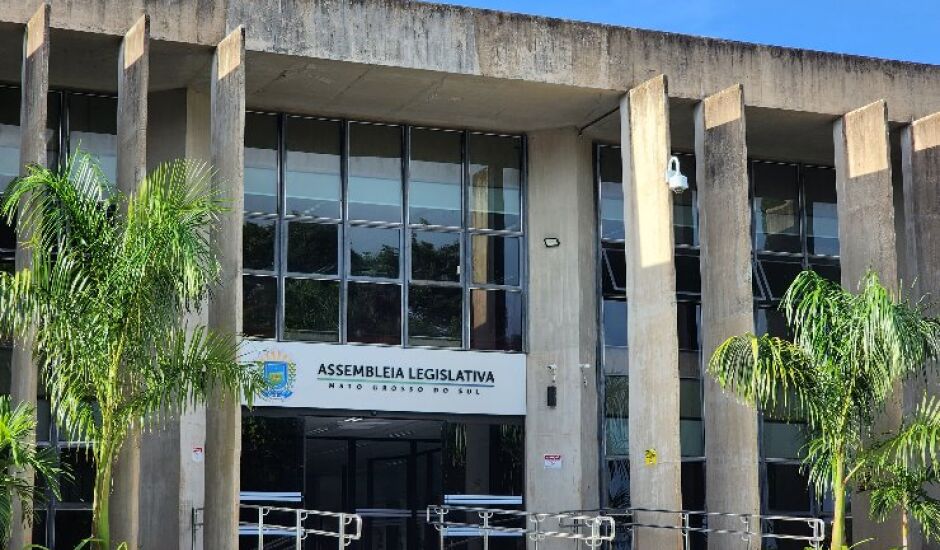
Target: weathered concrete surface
x,y
133,77
867,241
651,311
732,476
223,413
33,114
562,298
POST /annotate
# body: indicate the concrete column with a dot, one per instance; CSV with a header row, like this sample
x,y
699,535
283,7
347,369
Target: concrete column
x,y
33,113
867,240
133,77
920,169
732,478
655,460
223,413
563,307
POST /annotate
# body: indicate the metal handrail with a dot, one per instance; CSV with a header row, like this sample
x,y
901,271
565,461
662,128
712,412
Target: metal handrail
x,y
349,525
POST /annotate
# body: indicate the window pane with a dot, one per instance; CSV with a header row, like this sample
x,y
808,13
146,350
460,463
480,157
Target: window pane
x,y
434,177
72,527
771,321
311,310
259,298
435,256
312,248
312,167
6,363
782,439
687,322
9,135
93,129
272,454
616,413
693,486
776,207
495,182
260,163
787,488
495,260
39,526
258,244
434,316
614,266
80,463
611,167
373,251
374,314
615,322
618,484
688,276
683,205
496,320
374,172
822,216
779,276
831,272
691,429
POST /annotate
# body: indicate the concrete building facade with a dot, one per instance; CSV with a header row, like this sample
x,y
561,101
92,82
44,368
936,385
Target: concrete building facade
x,y
452,246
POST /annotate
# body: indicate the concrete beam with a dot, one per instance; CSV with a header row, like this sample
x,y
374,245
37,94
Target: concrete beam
x,y
133,77
731,436
223,414
867,241
33,114
655,460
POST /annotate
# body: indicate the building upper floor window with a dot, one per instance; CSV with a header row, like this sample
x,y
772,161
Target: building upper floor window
x,y
382,234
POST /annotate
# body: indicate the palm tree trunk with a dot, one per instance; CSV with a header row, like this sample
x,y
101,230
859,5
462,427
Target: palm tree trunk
x,y
838,491
101,526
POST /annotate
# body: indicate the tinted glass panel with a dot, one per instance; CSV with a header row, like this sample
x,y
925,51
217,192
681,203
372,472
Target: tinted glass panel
x,y
312,167
788,489
614,269
776,207
693,486
687,319
692,435
71,527
688,276
374,172
782,439
93,129
434,316
272,454
260,163
80,463
683,205
771,321
9,135
495,260
611,168
435,256
832,272
495,182
258,244
374,314
496,320
312,248
822,217
618,484
259,296
616,410
373,251
615,322
435,174
311,310
779,276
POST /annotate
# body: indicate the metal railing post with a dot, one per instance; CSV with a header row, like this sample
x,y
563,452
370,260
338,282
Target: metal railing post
x,y
485,516
342,531
261,528
440,528
298,530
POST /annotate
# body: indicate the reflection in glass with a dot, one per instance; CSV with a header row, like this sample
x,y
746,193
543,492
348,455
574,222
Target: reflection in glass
x,y
616,412
495,182
822,216
312,167
375,172
683,206
613,269
496,260
374,251
259,299
611,168
9,136
258,244
93,129
80,463
311,310
312,248
434,316
496,320
779,276
434,178
615,322
435,256
272,453
260,163
618,484
691,429
776,207
783,439
374,313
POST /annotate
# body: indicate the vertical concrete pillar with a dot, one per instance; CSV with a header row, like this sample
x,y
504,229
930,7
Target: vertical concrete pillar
x,y
223,414
133,78
732,477
563,306
867,240
655,460
33,112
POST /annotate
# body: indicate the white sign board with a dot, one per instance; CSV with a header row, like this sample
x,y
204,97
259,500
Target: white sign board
x,y
552,461
372,378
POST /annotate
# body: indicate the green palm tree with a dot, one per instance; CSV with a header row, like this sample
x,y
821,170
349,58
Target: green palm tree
x,y
848,353
112,281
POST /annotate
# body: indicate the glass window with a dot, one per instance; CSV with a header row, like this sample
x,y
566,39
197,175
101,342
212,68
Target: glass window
x,y
691,428
495,182
693,486
80,463
788,489
259,297
496,320
616,414
71,527
776,207
615,322
822,216
611,176
260,163
771,321
374,251
375,172
778,276
435,175
272,455
311,310
688,275
9,135
496,260
374,313
618,483
312,248
435,256
783,439
829,271
613,268
684,214
434,315
312,171
93,129
258,237
687,322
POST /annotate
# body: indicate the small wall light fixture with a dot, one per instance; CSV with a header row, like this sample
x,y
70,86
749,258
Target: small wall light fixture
x,y
674,179
551,242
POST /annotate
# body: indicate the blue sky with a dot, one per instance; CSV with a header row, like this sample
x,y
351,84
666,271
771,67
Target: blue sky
x,y
895,29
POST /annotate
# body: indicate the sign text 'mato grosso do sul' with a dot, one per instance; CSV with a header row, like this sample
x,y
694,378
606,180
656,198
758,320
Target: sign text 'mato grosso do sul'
x,y
370,378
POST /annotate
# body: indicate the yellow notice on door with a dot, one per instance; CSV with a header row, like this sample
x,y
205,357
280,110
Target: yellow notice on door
x,y
651,457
